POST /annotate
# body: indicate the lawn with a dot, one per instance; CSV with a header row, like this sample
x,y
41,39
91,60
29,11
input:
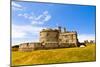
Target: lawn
x,y
62,55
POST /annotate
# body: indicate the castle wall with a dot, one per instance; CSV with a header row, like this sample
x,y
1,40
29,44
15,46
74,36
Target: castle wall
x,y
50,39
68,37
63,45
24,47
48,45
30,46
49,36
36,46
51,45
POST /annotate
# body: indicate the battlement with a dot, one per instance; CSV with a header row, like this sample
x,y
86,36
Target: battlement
x,y
49,30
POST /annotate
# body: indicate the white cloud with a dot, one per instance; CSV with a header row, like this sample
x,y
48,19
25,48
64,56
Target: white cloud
x,y
16,6
19,31
47,17
83,37
44,17
26,33
25,15
45,12
40,19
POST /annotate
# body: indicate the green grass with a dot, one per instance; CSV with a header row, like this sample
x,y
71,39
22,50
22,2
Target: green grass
x,y
54,56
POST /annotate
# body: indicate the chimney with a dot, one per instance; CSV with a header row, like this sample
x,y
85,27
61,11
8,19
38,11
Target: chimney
x,y
64,29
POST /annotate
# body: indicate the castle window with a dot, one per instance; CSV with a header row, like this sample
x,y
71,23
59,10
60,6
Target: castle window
x,y
47,34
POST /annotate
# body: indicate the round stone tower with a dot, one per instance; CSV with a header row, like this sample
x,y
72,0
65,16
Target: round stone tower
x,y
49,35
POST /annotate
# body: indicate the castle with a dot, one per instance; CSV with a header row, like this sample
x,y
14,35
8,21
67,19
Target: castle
x,y
52,38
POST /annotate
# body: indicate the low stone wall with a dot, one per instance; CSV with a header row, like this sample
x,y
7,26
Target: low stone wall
x,y
24,47
30,46
46,45
49,45
36,46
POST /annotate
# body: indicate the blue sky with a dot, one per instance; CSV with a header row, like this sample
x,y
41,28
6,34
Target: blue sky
x,y
28,18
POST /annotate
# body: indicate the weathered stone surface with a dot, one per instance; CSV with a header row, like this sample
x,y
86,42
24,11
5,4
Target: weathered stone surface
x,y
51,45
52,38
63,45
49,36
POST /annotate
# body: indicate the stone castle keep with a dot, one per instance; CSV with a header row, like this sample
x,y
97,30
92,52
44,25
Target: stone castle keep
x,y
52,38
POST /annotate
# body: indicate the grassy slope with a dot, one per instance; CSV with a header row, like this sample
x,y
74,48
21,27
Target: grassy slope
x,y
54,56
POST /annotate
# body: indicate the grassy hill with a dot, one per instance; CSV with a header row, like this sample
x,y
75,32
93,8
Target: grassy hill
x,y
54,56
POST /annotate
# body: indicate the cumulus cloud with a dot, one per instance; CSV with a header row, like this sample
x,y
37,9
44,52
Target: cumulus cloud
x,y
16,6
83,37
